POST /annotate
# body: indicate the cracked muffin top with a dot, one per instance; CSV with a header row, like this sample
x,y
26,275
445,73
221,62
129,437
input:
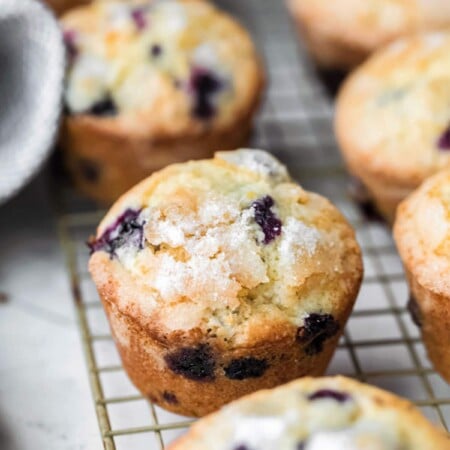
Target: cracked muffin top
x,y
316,414
422,232
230,248
159,66
393,114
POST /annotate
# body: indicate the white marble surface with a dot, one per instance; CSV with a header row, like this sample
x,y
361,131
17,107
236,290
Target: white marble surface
x,y
45,401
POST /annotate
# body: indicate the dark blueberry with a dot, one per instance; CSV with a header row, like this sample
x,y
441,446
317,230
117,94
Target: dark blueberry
x,y
127,229
414,310
104,107
195,363
69,37
444,140
316,330
203,85
266,219
155,50
242,368
301,446
139,18
90,171
338,396
170,397
241,447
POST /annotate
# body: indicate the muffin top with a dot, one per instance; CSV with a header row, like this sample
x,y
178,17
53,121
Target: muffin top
x,y
393,113
333,413
229,248
370,23
164,67
422,233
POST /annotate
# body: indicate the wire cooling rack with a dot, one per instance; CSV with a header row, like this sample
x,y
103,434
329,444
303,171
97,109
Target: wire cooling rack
x,y
380,345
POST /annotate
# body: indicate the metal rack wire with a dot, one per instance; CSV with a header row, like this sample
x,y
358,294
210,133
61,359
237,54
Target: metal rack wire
x,y
380,344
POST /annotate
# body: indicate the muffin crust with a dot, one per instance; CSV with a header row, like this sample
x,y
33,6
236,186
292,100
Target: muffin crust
x,y
422,233
226,273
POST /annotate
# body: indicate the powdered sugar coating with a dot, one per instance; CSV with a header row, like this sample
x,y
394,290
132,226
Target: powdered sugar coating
x,y
362,436
298,239
257,161
206,264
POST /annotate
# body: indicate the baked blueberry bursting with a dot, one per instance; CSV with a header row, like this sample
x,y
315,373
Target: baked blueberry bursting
x,y
104,107
69,37
241,447
301,446
414,310
444,141
195,363
340,397
170,397
316,330
203,85
242,368
128,229
266,218
139,18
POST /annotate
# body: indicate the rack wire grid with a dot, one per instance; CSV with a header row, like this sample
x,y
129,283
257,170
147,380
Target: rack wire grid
x,y
381,345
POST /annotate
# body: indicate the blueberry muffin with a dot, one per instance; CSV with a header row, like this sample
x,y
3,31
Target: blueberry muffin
x,y
333,413
393,118
422,233
220,277
341,34
151,83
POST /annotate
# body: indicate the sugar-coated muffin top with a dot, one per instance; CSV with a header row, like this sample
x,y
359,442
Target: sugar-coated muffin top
x,y
393,114
316,414
422,231
371,23
230,247
160,66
